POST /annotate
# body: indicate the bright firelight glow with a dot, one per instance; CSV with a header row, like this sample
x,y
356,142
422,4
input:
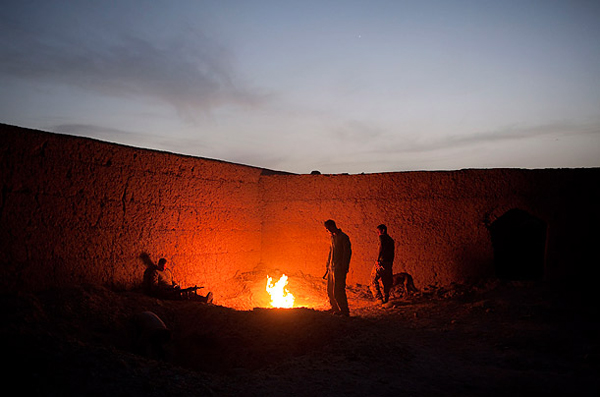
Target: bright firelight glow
x,y
280,296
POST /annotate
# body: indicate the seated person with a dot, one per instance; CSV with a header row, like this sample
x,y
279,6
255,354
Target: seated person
x,y
158,282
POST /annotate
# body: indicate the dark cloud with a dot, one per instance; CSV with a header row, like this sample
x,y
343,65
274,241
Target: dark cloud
x,y
512,133
522,132
191,72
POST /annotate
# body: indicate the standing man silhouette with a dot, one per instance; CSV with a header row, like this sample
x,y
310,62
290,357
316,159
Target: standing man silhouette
x,y
382,270
338,264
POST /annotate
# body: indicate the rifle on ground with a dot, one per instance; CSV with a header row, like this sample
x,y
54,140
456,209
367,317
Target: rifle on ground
x,y
190,289
188,293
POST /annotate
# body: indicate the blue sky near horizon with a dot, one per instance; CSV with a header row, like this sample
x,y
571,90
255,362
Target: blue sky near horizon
x,y
335,86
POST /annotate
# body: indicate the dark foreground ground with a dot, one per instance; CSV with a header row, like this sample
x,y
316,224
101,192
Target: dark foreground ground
x,y
499,340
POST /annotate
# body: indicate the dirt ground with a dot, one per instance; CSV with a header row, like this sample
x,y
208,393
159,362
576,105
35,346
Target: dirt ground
x,y
495,339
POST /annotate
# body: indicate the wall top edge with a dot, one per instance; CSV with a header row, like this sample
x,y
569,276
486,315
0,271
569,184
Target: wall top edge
x,y
450,171
265,172
17,130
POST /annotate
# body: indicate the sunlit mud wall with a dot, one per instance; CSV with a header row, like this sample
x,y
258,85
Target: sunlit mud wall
x,y
75,210
439,220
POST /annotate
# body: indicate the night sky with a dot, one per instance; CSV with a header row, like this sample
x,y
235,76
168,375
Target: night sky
x,y
335,86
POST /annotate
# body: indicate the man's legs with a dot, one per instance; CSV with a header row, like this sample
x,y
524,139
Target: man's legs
x,y
339,291
331,292
170,294
374,285
199,298
387,279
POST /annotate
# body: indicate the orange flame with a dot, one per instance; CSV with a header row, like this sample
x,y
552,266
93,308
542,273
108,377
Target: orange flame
x,y
280,296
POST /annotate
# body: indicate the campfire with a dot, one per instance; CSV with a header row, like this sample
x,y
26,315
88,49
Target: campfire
x,y
280,296
281,290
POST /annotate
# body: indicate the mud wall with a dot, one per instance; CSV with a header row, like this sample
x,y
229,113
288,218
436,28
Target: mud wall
x,y
439,220
76,210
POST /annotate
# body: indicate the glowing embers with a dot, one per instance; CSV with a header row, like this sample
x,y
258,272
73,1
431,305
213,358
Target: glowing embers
x,y
280,296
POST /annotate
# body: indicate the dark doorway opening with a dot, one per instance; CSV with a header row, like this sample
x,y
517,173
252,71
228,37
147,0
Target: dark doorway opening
x,y
519,241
